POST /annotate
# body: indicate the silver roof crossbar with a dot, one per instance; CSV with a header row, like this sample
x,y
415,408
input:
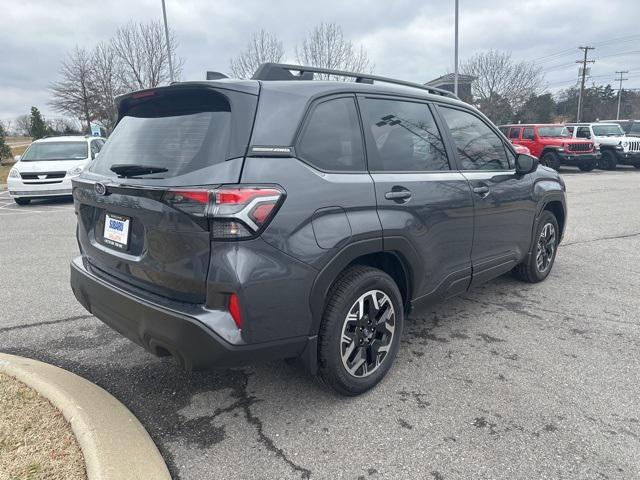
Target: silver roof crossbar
x,y
282,71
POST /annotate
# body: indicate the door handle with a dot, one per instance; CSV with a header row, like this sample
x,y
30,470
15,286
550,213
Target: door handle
x,y
483,191
398,195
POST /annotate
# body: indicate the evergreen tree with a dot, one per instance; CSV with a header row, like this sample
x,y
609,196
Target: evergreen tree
x,y
38,127
5,151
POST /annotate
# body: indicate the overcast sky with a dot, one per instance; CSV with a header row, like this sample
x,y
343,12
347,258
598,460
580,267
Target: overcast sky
x,y
408,39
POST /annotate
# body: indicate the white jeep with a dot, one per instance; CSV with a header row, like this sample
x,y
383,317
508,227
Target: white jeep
x,y
615,147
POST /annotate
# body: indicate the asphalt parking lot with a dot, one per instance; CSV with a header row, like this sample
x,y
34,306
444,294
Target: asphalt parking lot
x,y
510,381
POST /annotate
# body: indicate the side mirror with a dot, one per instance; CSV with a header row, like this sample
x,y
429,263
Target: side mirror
x,y
526,164
17,158
94,155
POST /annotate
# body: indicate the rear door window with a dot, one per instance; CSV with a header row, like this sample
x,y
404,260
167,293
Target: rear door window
x,y
405,135
331,139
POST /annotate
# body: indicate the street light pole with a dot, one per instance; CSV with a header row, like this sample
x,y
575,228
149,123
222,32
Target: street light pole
x,y
455,75
166,34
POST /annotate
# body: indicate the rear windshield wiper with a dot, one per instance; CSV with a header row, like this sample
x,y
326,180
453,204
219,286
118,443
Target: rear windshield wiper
x,y
132,170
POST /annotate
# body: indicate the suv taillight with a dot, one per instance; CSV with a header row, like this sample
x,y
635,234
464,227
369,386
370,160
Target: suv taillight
x,y
236,212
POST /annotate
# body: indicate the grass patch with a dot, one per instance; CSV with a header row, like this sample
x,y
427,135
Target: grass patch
x,y
18,150
4,172
35,439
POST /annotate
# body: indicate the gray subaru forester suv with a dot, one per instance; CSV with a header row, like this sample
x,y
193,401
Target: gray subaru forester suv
x,y
235,221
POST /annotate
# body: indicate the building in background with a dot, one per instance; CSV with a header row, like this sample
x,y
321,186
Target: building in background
x,y
445,82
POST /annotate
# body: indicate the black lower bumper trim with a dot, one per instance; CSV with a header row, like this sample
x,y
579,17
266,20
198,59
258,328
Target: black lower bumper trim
x,y
578,159
165,331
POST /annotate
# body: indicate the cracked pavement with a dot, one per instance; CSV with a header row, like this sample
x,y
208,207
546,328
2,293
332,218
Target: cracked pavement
x,y
507,381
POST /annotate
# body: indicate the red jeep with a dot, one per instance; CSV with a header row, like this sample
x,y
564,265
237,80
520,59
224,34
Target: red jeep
x,y
553,145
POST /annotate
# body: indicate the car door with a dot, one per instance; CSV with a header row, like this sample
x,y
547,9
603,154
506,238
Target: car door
x,y
424,205
503,201
529,140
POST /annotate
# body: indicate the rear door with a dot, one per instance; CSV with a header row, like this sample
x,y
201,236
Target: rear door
x,y
421,199
146,228
503,201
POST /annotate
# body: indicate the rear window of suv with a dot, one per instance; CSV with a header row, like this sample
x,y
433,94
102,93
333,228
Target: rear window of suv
x,y
183,132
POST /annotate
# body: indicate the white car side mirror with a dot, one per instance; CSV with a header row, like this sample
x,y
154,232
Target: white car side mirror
x,y
17,158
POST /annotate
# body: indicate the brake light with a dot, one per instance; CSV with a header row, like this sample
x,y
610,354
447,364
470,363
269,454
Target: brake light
x,y
235,212
143,93
234,309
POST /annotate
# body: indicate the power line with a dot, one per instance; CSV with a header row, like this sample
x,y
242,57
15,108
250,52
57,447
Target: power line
x,y
584,74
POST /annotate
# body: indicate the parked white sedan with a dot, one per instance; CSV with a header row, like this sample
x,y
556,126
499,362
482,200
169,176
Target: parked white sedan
x,y
47,166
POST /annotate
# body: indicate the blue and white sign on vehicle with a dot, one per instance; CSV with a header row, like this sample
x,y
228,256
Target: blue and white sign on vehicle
x,y
116,230
95,131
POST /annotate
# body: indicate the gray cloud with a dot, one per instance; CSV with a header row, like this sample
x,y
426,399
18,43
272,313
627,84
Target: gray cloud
x,y
409,39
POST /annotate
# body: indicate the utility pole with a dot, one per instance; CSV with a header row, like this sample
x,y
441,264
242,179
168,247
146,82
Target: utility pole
x,y
584,74
455,75
166,34
621,72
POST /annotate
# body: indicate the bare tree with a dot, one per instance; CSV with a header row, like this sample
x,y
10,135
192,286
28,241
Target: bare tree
x,y
326,47
107,83
74,94
499,78
263,47
141,51
23,125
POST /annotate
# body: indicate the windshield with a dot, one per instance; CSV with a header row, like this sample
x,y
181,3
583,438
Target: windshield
x,y
635,128
46,151
607,130
558,131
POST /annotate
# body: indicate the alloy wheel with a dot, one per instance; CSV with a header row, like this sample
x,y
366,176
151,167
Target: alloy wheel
x,y
546,247
367,333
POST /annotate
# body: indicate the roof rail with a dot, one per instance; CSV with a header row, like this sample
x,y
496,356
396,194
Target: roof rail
x,y
282,71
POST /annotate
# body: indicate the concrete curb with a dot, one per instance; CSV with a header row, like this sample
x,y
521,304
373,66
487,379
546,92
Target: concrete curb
x,y
114,443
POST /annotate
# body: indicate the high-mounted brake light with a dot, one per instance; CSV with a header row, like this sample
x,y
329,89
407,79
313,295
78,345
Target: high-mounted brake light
x,y
235,212
144,93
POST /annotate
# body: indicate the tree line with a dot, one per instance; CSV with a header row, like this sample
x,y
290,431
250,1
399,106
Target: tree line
x,y
135,58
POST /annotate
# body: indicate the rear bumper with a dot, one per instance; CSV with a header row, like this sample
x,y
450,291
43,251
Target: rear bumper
x,y
197,337
577,159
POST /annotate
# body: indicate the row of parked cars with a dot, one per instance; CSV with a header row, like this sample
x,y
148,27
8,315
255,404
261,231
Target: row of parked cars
x,y
604,144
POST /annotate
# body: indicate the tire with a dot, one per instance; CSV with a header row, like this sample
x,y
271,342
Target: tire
x,y
22,201
587,167
608,161
530,270
551,160
347,337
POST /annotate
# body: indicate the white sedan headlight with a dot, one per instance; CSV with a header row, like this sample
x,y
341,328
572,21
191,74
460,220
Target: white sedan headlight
x,y
13,173
75,171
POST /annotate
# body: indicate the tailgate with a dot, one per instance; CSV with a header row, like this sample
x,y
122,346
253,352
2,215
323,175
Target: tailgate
x,y
173,140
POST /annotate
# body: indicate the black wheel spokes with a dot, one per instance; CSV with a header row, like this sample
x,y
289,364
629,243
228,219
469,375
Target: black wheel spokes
x,y
367,333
